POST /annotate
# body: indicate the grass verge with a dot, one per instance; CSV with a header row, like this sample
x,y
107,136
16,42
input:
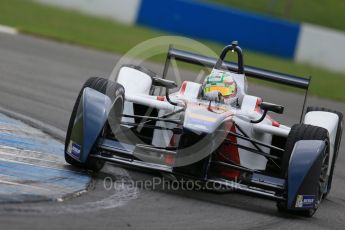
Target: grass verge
x,y
326,13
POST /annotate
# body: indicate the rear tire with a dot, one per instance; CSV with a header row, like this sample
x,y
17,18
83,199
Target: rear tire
x,y
336,143
111,89
303,132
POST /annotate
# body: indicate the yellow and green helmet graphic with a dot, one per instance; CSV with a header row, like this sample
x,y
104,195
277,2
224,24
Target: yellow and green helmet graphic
x,y
221,82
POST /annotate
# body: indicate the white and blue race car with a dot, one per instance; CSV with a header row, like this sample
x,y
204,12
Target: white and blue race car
x,y
191,135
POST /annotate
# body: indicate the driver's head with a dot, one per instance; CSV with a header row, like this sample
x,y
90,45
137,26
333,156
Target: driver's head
x,y
223,83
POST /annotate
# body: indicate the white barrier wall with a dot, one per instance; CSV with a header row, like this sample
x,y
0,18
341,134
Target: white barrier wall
x,y
124,11
322,47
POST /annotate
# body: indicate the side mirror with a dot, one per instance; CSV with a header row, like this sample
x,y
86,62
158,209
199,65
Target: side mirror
x,y
272,107
167,84
163,83
265,106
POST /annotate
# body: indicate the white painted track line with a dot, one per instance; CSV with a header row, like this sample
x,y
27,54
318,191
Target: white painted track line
x,y
8,30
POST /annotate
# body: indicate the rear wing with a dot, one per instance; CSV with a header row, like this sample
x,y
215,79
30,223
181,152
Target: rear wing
x,y
249,71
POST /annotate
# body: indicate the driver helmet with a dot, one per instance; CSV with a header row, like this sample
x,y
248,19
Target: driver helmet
x,y
222,82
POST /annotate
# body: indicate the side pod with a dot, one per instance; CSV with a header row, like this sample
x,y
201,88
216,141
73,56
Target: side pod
x,y
92,113
304,173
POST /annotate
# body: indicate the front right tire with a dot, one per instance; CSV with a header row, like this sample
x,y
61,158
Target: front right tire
x,y
336,143
305,132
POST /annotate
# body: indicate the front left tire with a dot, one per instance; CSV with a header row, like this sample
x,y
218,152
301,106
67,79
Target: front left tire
x,y
116,93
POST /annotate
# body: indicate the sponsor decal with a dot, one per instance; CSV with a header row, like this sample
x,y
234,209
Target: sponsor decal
x,y
201,117
305,201
75,149
215,79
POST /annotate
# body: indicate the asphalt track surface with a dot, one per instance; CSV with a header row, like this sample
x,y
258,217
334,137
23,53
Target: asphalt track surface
x,y
41,79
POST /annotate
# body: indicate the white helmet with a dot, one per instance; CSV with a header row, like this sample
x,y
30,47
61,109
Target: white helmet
x,y
221,82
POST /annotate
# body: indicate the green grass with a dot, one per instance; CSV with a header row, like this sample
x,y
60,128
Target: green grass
x,y
70,26
73,27
330,13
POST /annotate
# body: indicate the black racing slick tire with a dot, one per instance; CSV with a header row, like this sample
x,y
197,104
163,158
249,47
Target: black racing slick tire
x,y
116,92
336,143
304,132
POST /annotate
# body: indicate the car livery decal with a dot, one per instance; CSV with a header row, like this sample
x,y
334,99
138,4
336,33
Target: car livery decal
x,y
199,119
305,201
202,117
75,150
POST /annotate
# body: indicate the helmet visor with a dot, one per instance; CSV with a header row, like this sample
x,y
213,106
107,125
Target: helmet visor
x,y
228,90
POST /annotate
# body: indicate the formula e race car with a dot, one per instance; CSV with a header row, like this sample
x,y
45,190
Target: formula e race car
x,y
196,135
